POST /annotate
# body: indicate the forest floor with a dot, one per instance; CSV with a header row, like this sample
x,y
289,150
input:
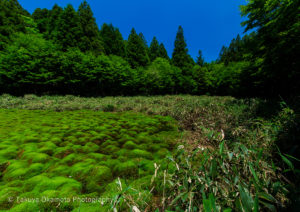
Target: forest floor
x,y
145,153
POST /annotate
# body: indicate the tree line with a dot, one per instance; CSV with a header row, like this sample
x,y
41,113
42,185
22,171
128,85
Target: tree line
x,y
62,51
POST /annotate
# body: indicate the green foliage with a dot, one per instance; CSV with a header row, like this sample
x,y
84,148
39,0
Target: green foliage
x,y
240,49
54,18
69,29
35,65
27,63
200,59
224,80
112,40
11,20
262,58
157,50
180,56
41,17
136,52
154,49
143,39
162,78
163,52
219,180
277,25
91,40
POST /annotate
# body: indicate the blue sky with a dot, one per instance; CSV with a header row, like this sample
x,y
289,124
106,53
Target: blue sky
x,y
207,24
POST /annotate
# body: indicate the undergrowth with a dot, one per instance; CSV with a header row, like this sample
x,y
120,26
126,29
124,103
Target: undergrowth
x,y
234,154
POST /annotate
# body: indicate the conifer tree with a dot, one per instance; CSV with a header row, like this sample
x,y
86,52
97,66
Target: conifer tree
x,y
54,16
69,30
200,59
119,43
141,35
154,49
113,41
180,56
91,38
41,17
136,52
163,52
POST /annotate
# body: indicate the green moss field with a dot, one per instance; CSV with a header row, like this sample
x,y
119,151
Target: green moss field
x,y
77,154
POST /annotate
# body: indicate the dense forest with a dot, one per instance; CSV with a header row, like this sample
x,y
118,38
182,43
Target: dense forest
x,y
62,51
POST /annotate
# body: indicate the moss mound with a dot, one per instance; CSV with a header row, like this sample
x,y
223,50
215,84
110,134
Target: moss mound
x,y
52,155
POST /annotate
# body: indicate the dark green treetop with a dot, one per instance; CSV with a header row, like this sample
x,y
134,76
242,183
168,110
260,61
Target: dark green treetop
x,y
141,35
163,52
54,16
200,59
91,38
69,31
113,41
136,52
41,17
154,49
180,56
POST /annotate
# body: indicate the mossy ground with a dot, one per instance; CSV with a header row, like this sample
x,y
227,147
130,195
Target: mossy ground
x,y
40,150
48,154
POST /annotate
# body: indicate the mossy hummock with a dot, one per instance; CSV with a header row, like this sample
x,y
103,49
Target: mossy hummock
x,y
48,154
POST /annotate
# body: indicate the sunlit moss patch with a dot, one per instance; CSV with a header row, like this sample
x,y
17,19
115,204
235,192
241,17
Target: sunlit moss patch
x,y
48,154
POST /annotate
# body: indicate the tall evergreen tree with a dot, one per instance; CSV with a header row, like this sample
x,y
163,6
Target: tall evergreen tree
x,y
200,59
136,52
180,56
163,52
141,35
69,30
41,17
91,38
113,41
119,43
54,16
154,49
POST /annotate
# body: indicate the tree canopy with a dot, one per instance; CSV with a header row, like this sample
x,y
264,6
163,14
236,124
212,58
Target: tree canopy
x,y
62,50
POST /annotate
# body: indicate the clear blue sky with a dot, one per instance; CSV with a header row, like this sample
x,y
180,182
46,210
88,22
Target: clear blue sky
x,y
207,24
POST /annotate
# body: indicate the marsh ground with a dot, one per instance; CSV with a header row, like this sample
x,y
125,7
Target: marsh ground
x,y
125,149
